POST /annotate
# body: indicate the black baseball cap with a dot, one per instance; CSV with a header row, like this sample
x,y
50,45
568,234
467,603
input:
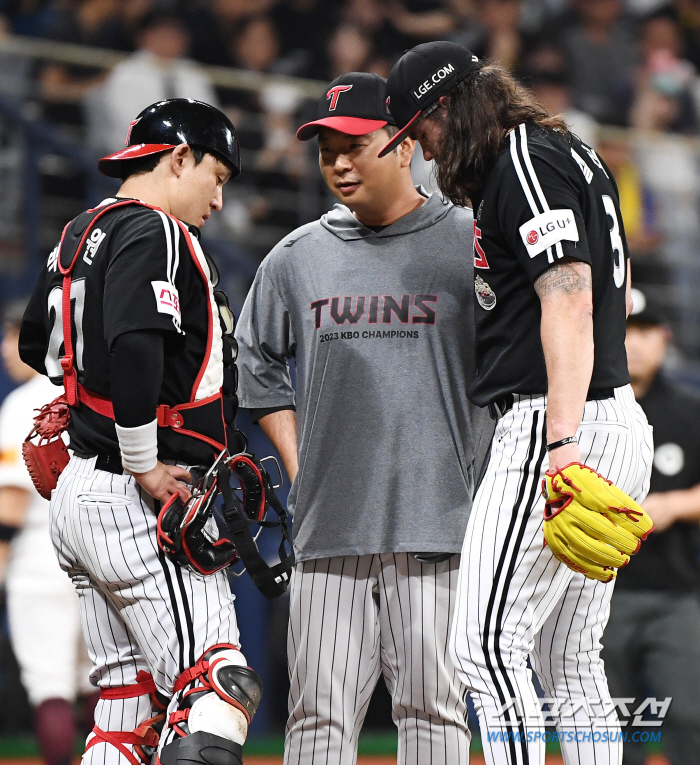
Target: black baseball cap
x,y
645,312
420,77
354,103
167,124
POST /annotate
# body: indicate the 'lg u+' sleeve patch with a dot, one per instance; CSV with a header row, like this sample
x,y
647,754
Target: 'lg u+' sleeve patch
x,y
547,229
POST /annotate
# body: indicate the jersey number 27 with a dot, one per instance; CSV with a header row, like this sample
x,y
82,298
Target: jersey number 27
x,y
77,296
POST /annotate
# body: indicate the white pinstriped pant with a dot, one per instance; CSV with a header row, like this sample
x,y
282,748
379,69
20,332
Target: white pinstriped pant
x,y
352,618
516,601
138,610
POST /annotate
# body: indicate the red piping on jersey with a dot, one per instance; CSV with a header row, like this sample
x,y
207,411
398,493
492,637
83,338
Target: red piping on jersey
x,y
77,393
70,376
210,317
68,271
223,418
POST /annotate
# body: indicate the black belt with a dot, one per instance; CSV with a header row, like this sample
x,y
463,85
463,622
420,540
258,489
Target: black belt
x,y
112,463
500,406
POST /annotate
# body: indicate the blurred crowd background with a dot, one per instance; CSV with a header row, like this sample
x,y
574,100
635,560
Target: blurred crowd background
x,y
74,73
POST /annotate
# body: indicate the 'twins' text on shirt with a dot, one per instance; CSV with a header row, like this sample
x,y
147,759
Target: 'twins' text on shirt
x,y
409,309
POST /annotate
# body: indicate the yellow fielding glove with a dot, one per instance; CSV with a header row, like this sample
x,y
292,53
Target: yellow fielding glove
x,y
591,525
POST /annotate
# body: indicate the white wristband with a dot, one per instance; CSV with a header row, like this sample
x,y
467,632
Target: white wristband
x,y
139,446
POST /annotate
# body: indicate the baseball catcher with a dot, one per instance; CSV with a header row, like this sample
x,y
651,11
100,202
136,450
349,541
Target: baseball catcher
x,y
128,317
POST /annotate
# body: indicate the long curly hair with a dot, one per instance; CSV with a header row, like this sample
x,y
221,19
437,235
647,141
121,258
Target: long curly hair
x,y
478,114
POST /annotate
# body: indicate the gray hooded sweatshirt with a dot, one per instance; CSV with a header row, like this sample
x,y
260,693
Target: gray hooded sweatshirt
x,y
381,326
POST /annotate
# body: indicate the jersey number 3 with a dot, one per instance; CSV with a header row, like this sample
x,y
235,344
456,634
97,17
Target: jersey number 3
x,y
77,296
616,242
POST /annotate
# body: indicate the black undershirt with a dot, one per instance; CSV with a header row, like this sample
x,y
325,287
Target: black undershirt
x,y
136,369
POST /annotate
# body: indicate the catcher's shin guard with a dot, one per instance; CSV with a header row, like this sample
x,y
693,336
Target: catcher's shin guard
x,y
202,749
145,737
217,698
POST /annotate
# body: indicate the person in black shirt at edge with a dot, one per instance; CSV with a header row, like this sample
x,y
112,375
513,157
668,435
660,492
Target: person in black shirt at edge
x,y
652,641
126,316
551,285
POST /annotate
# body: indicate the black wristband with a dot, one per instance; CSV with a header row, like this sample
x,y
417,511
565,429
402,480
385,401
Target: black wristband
x,y
7,532
562,442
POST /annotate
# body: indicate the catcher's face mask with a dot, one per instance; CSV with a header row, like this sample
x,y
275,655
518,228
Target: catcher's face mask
x,y
188,535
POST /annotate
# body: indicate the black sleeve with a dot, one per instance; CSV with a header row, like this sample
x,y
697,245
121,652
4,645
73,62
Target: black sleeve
x,y
33,341
538,207
136,365
141,281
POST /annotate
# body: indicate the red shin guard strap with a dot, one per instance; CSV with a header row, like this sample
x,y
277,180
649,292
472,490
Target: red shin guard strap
x,y
143,686
199,669
177,717
117,739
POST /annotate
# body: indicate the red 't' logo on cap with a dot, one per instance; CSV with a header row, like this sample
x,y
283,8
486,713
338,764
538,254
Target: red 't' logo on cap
x,y
128,132
333,94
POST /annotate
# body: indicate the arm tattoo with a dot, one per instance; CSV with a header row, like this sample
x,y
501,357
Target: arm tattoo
x,y
564,277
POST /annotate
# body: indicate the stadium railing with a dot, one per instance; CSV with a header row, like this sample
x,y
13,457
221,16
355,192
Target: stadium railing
x,y
47,176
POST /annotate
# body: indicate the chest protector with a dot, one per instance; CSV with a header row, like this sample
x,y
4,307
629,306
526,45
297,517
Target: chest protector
x,y
201,419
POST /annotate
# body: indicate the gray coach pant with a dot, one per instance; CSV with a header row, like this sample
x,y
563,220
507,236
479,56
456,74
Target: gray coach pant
x,y
652,641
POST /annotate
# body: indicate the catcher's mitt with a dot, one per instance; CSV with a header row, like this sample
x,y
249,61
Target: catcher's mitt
x,y
46,459
591,525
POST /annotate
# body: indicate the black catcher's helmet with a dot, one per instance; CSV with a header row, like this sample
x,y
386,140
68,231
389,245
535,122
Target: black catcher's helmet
x,y
167,124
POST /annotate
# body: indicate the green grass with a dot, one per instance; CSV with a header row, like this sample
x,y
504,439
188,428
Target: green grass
x,y
270,746
371,744
19,746
375,744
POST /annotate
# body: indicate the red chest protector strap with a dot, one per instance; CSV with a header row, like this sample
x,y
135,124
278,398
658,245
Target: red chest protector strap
x,y
76,394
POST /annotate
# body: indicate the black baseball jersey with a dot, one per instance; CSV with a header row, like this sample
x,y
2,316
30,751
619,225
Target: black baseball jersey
x,y
670,560
546,198
137,269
